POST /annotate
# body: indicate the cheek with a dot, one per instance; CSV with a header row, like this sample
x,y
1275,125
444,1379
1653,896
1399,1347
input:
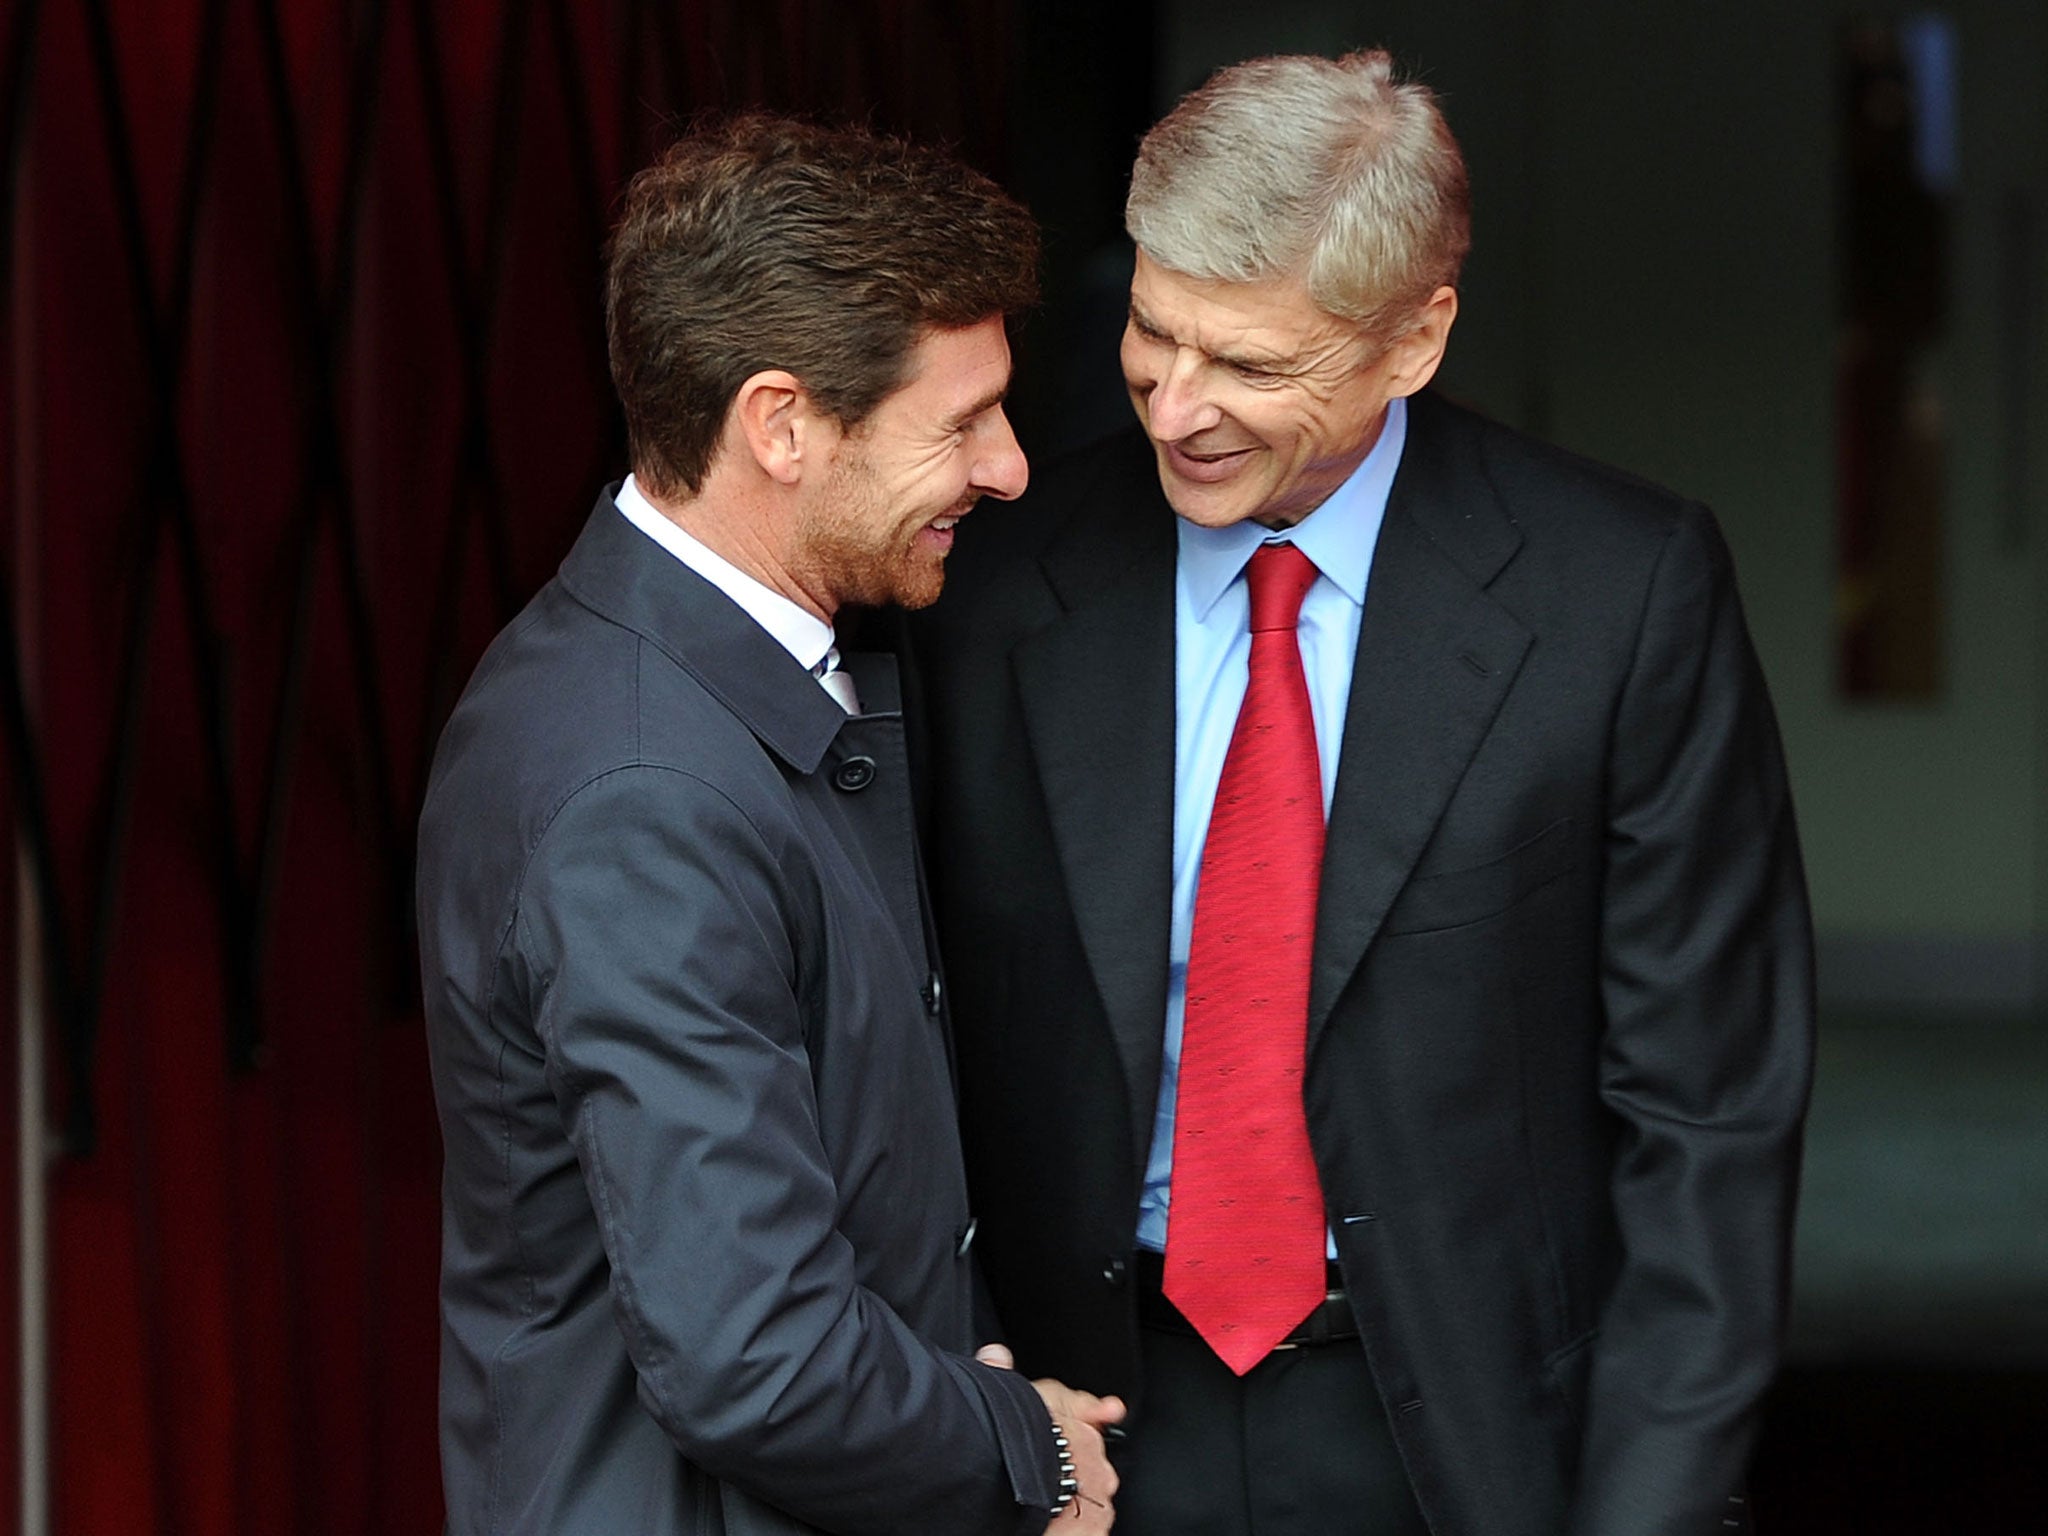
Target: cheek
x,y
1310,434
1281,425
931,483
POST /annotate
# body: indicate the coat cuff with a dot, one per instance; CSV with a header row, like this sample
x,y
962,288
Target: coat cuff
x,y
1024,1434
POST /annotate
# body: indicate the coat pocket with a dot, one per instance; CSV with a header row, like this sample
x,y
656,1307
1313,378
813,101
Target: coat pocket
x,y
1460,896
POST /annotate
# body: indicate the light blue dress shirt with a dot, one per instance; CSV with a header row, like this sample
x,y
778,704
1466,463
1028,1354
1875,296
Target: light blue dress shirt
x,y
1212,650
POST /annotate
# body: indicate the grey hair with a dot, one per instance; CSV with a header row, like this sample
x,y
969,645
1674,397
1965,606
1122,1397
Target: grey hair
x,y
1295,165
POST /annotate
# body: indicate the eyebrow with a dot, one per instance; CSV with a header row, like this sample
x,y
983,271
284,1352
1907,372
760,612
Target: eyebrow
x,y
1140,322
984,404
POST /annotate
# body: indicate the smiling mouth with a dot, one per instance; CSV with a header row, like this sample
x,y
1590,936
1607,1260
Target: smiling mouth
x,y
1190,464
945,524
939,531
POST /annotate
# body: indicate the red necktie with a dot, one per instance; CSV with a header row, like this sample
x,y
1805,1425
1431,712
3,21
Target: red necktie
x,y
1245,1229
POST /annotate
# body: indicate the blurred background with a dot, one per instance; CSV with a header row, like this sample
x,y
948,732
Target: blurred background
x,y
302,392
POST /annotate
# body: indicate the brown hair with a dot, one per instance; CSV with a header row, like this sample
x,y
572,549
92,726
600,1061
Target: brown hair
x,y
763,242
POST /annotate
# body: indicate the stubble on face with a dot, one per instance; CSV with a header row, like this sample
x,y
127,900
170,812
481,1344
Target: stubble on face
x,y
859,552
878,526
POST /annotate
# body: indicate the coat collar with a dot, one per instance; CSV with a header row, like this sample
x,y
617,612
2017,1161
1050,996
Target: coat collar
x,y
622,575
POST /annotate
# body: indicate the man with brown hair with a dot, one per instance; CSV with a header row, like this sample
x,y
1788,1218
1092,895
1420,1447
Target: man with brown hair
x,y
708,1258
1370,893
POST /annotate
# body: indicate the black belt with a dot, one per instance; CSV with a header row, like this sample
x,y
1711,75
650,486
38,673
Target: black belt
x,y
1331,1320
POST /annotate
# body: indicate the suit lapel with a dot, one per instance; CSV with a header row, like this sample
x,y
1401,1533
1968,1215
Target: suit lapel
x,y
1436,656
1096,688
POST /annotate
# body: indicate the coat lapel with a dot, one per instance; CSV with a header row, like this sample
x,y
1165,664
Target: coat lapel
x,y
1436,656
1096,688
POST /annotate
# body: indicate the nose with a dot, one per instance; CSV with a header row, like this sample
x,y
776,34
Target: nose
x,y
1179,405
1001,471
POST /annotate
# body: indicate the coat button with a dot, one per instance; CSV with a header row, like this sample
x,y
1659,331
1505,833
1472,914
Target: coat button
x,y
855,774
964,1238
930,993
1114,1270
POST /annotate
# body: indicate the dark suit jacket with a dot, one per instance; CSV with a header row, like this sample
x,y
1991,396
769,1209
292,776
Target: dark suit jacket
x,y
704,1207
1560,1026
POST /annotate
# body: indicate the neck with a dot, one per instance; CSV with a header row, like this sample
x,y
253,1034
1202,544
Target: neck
x,y
744,530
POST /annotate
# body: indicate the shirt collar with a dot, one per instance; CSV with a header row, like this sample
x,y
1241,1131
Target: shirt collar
x,y
803,634
1338,536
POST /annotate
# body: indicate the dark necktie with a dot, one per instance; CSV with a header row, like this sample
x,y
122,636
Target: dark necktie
x,y
1245,1229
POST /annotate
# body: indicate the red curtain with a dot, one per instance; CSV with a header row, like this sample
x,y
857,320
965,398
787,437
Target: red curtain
x,y
304,392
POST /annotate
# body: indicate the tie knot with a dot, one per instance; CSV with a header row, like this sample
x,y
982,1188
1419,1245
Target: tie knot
x,y
1279,576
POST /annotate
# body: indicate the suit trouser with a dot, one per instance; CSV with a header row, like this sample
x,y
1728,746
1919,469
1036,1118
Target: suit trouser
x,y
1298,1446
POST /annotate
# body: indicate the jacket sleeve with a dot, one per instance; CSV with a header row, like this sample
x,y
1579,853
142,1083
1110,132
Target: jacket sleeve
x,y
1706,1060
654,949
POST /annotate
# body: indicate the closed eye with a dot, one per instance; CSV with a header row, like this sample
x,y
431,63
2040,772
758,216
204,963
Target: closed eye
x,y
1258,375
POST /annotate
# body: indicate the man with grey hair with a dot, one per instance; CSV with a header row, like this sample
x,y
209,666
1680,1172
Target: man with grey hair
x,y
1370,895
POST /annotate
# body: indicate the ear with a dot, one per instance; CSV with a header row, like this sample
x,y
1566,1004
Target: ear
x,y
779,425
1412,361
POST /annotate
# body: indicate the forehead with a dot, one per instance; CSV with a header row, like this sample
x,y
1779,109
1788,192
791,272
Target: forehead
x,y
964,368
1272,317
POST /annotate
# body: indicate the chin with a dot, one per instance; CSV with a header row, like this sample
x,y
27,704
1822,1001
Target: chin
x,y
1205,512
919,589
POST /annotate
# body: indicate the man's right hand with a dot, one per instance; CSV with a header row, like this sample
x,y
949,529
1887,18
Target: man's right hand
x,y
1082,1415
